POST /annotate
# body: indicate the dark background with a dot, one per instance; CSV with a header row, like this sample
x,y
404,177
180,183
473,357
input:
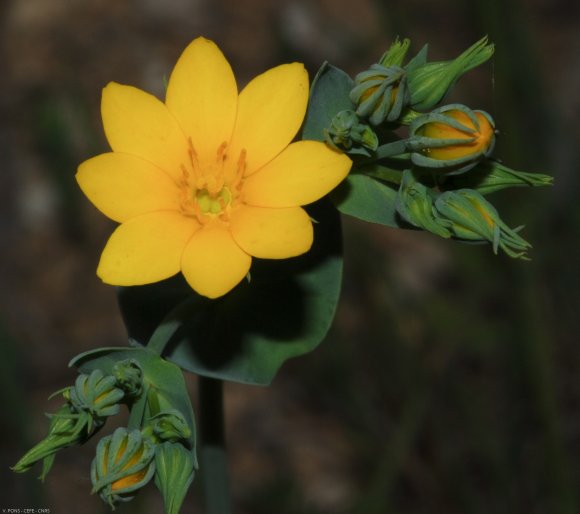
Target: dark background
x,y
450,382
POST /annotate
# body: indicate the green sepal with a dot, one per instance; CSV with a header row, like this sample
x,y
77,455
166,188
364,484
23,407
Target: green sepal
x,y
160,377
175,469
245,336
490,176
329,95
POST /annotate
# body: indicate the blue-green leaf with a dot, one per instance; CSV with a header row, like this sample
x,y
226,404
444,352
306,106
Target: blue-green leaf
x,y
368,199
328,96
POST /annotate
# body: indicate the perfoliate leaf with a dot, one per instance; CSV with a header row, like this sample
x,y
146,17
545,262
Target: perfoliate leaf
x,y
329,95
284,311
159,375
368,199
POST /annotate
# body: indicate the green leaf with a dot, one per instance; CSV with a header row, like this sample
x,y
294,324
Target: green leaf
x,y
284,311
368,199
158,374
329,95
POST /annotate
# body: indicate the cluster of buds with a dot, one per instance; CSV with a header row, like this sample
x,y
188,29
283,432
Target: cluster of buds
x,y
463,214
127,460
158,446
445,164
92,399
390,91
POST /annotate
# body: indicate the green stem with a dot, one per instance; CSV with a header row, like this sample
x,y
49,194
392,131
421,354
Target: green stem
x,y
390,150
213,451
162,335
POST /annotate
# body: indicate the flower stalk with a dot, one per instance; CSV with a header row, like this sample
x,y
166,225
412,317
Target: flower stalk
x,y
214,470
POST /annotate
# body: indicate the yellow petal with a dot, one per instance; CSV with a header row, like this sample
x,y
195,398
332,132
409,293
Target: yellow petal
x,y
123,186
213,263
270,111
146,249
202,95
139,124
272,233
301,174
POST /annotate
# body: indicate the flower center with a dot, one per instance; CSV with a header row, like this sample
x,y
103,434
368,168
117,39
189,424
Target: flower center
x,y
210,189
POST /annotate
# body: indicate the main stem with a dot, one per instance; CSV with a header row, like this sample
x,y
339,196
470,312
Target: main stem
x,y
213,451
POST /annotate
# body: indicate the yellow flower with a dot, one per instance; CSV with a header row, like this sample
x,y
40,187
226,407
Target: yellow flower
x,y
210,178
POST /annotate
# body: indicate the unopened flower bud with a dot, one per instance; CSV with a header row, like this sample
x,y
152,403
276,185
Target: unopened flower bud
x,y
129,377
395,55
170,426
124,463
452,138
96,394
490,176
67,428
346,132
470,217
429,83
174,474
415,205
380,93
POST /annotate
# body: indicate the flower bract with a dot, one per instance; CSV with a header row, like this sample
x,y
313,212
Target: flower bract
x,y
210,178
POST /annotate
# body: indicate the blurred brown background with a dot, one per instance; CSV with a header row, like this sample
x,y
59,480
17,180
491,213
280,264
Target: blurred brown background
x,y
451,380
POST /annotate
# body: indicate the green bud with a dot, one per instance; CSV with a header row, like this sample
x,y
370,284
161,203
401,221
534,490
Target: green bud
x,y
490,176
124,463
96,394
66,428
129,377
380,93
470,217
415,205
452,138
429,83
395,55
346,131
174,474
169,426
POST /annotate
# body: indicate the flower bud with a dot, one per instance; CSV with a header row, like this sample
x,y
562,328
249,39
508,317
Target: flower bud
x,y
346,131
129,377
67,428
415,205
380,93
490,176
429,83
395,55
96,394
123,464
453,138
470,217
174,466
169,426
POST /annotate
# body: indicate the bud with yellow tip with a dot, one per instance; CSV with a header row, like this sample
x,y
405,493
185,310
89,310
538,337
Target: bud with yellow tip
x,y
124,463
452,138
